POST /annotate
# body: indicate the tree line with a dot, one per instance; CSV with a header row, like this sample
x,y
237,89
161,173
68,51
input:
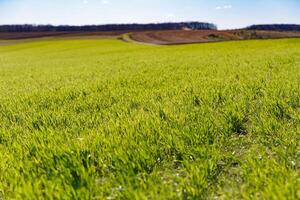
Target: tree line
x,y
108,27
275,27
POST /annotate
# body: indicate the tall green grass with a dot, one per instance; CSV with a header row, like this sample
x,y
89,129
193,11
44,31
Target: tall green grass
x,y
104,119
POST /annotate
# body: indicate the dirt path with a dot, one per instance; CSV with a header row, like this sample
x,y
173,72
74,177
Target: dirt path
x,y
127,37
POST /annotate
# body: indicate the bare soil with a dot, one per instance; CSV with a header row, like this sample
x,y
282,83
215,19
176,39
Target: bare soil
x,y
200,36
32,35
159,37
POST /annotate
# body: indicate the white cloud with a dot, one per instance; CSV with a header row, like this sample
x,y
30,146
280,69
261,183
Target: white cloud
x,y
170,15
85,1
223,7
105,1
227,6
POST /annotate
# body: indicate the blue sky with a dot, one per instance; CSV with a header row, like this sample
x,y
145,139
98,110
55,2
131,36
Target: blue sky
x,y
224,13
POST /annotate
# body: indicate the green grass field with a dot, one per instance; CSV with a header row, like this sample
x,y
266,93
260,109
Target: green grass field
x,y
105,119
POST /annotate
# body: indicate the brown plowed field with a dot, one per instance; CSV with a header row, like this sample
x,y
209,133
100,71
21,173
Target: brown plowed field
x,y
33,35
186,37
159,37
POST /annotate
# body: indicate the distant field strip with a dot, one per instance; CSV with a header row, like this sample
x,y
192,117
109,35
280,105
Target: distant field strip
x,y
106,119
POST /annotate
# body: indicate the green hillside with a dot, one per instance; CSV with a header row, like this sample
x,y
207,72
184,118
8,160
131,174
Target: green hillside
x,y
105,119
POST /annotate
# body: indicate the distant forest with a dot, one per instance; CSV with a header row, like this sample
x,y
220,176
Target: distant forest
x,y
109,27
275,27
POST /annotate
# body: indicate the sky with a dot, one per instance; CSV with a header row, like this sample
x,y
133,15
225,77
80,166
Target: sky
x,y
226,14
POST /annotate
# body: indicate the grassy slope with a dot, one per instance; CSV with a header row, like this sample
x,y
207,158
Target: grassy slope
x,y
105,119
